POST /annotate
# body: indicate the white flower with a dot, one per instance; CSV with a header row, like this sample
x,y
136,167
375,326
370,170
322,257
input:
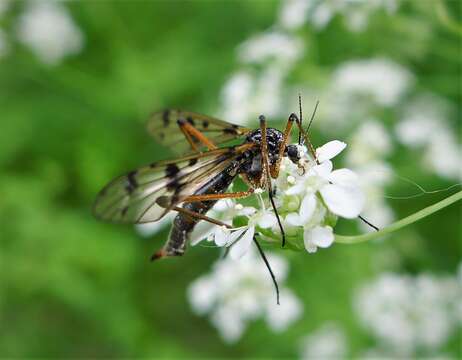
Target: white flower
x,y
355,13
270,45
409,313
424,125
383,80
328,342
241,239
293,13
370,142
223,210
246,93
319,236
279,317
308,199
339,188
238,292
48,29
4,5
235,96
367,148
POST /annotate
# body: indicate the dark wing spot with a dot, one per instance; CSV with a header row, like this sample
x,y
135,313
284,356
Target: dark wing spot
x,y
163,201
231,131
153,165
124,211
171,170
235,126
205,124
131,182
162,135
190,120
174,185
166,117
192,162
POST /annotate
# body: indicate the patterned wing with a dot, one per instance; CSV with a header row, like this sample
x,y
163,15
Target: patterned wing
x,y
148,193
164,128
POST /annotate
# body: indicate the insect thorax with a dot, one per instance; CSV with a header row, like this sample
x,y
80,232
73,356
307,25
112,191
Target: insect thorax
x,y
252,165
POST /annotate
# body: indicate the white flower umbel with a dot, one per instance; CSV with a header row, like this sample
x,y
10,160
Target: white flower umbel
x,y
270,45
383,80
312,196
355,13
408,314
238,292
328,342
47,28
424,126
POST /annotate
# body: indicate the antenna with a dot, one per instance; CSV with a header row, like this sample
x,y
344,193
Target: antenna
x,y
301,118
312,118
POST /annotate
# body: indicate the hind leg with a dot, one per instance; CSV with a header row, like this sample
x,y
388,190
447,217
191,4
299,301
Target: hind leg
x,y
183,224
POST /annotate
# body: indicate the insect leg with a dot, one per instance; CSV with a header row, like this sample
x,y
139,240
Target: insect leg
x,y
265,260
168,249
190,131
267,176
207,197
275,168
305,137
368,223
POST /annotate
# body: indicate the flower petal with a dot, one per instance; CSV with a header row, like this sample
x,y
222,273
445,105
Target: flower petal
x,y
323,170
307,208
201,231
235,235
330,150
221,235
322,236
344,177
266,220
247,211
242,245
344,201
296,189
307,240
293,219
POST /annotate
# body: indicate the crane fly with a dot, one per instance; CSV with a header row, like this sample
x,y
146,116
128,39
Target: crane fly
x,y
192,183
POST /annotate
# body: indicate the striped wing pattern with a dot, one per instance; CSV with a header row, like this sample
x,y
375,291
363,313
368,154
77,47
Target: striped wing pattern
x,y
148,193
164,128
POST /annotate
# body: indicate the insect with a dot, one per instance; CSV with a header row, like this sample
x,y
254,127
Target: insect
x,y
194,182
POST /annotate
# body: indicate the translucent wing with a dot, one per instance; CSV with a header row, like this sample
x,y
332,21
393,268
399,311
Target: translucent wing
x,y
148,193
164,128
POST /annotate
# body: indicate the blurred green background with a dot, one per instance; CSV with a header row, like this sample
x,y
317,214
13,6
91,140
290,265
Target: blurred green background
x,y
71,286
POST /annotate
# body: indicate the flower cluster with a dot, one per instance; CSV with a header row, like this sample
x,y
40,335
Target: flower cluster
x,y
47,28
407,314
309,197
235,293
327,342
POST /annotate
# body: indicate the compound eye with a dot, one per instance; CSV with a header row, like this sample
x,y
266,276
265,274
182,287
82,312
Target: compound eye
x,y
292,151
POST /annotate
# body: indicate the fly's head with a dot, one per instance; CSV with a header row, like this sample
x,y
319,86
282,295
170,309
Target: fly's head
x,y
293,153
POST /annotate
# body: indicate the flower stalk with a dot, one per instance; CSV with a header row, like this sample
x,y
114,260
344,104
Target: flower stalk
x,y
295,242
429,210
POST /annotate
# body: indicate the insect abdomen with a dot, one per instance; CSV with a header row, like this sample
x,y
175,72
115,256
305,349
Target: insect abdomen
x,y
184,224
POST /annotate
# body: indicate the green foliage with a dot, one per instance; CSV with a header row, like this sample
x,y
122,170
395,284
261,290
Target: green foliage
x,y
71,286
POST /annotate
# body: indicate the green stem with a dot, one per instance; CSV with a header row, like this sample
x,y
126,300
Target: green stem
x,y
400,223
